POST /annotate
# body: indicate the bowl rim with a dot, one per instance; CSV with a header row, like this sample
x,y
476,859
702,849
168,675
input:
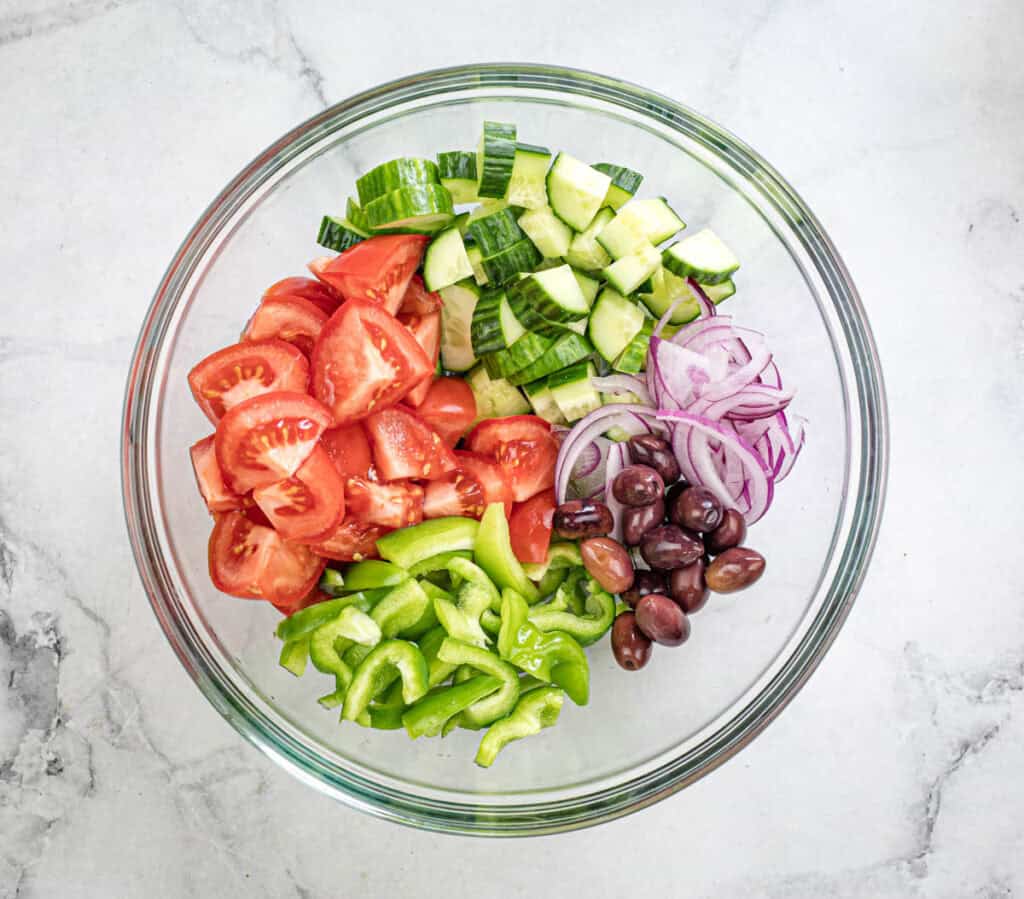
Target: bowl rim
x,y
632,794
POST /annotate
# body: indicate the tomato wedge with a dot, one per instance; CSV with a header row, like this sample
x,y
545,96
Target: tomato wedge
x,y
493,481
319,294
405,447
291,319
353,541
529,526
377,270
418,300
218,495
303,602
237,373
449,408
523,447
457,493
364,360
252,562
267,438
427,331
395,505
349,450
310,504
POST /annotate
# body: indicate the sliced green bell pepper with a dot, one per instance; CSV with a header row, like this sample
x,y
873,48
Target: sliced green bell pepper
x,y
560,555
493,553
438,562
409,546
426,717
536,710
307,620
331,639
401,608
295,655
586,627
469,573
490,621
430,644
552,579
373,574
332,582
385,713
497,704
376,673
554,657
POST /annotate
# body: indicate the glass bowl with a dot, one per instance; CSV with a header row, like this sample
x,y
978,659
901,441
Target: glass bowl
x,y
644,735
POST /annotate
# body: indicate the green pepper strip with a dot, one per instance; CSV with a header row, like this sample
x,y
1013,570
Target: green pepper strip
x,y
554,657
498,704
438,562
551,581
474,574
294,655
461,619
408,546
307,620
332,582
491,622
401,608
536,710
428,716
330,640
560,555
570,596
385,713
430,644
373,574
586,628
376,671
493,553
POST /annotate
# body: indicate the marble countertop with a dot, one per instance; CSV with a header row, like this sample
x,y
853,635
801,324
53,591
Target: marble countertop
x,y
896,772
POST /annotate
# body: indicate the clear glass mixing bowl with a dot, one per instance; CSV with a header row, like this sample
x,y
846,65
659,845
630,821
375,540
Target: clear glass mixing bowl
x,y
645,735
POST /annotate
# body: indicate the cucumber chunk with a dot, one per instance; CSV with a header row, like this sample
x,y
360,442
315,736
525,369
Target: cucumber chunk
x,y
718,292
338,234
495,397
457,169
634,357
629,272
575,191
553,294
588,286
526,350
445,261
625,183
573,390
584,250
665,290
495,157
520,257
476,259
427,208
395,174
494,325
526,187
703,257
614,322
495,231
566,350
543,403
458,303
550,235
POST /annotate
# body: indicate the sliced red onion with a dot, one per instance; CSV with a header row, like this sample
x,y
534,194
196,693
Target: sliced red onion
x,y
618,458
622,384
707,308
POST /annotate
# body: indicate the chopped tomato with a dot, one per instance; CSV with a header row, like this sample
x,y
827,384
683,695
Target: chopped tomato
x,y
310,504
395,505
457,493
529,526
405,447
418,300
218,495
303,602
377,270
493,481
427,331
349,449
449,408
253,562
319,294
365,360
523,447
353,541
253,512
291,319
267,438
237,373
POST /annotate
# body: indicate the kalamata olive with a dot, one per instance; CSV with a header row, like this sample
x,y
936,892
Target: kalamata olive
x,y
648,449
734,569
697,508
631,648
608,563
729,533
687,587
638,520
672,496
638,485
578,519
669,546
662,620
644,582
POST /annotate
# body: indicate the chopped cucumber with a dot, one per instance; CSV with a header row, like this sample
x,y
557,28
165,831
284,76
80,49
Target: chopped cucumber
x,y
520,257
495,397
457,169
553,294
526,188
550,235
339,234
543,402
614,322
625,183
718,292
461,221
639,222
573,390
575,191
666,289
495,158
588,286
629,272
445,261
394,175
526,350
634,357
426,207
584,250
703,257
354,213
458,303
476,259
495,231
566,350
494,325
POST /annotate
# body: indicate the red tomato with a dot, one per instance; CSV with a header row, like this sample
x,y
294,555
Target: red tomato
x,y
349,449
377,270
395,505
253,562
303,602
457,493
310,504
365,359
493,481
320,295
427,331
353,541
530,526
267,438
240,372
291,319
405,447
524,448
449,408
418,300
218,495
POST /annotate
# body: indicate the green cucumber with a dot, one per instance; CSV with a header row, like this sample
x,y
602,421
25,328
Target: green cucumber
x,y
520,257
718,292
394,175
553,294
486,207
494,325
495,397
445,261
573,390
665,290
527,315
457,305
634,357
629,272
584,250
614,322
575,191
565,351
550,235
461,221
427,208
476,259
495,158
588,286
703,257
526,187
495,231
338,234
354,213
639,222
457,169
625,183
527,349
543,403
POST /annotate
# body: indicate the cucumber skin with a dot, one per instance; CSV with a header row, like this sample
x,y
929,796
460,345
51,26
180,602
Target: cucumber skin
x,y
570,349
495,232
554,176
520,257
409,202
530,347
394,174
486,333
338,234
530,297
496,158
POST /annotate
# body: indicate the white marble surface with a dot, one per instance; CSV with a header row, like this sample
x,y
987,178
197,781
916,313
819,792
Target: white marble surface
x,y
896,772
